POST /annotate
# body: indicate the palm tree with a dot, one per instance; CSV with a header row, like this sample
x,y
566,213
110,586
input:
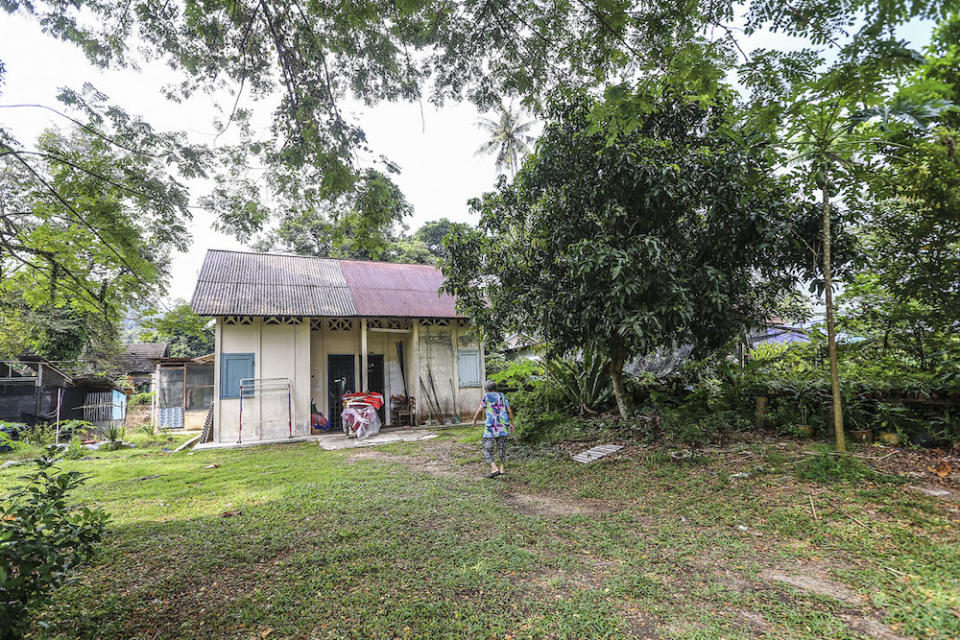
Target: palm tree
x,y
509,138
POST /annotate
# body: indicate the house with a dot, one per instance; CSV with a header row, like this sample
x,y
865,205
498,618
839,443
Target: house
x,y
295,331
35,391
139,360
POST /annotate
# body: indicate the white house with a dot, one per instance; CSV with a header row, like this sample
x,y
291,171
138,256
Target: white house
x,y
301,330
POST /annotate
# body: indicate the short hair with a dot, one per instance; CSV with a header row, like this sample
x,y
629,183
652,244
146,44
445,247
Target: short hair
x,y
489,385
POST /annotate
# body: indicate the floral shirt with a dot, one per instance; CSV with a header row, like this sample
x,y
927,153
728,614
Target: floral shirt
x,y
498,420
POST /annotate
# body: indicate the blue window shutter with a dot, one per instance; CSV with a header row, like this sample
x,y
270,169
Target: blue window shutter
x,y
468,367
233,368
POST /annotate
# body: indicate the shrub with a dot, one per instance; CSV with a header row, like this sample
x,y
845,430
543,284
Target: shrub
x,y
113,432
548,426
826,468
39,435
75,449
43,540
139,399
584,384
148,429
694,429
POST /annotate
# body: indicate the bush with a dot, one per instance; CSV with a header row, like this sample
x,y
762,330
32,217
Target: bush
x,y
825,467
139,399
686,427
39,435
113,432
584,384
43,540
149,429
548,427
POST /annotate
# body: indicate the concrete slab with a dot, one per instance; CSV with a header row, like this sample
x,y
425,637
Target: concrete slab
x,y
332,441
597,452
254,443
335,442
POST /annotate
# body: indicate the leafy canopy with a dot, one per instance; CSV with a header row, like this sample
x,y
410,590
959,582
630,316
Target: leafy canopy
x,y
620,243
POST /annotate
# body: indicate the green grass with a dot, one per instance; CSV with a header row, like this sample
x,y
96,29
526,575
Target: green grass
x,y
409,542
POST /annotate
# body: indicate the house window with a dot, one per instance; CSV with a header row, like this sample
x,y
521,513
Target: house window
x,y
233,368
468,367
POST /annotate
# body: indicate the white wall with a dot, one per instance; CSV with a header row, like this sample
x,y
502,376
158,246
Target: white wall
x,y
280,351
300,353
438,355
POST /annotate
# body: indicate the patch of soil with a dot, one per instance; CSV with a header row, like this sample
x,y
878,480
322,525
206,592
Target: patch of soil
x,y
545,506
871,628
435,458
814,582
940,467
755,623
640,626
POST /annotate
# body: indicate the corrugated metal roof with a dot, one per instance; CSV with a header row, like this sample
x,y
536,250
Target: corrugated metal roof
x,y
263,284
389,289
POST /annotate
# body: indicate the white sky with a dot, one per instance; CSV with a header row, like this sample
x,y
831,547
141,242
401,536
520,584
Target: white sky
x,y
439,169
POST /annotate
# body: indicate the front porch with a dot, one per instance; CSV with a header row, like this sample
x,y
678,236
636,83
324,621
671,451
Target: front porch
x,y
434,361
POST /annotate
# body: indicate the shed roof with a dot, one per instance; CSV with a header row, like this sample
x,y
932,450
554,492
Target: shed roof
x,y
266,284
139,357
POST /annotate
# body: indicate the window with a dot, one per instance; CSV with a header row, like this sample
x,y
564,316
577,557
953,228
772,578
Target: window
x,y
233,368
468,366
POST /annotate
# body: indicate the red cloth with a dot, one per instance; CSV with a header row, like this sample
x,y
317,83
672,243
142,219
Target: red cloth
x,y
372,398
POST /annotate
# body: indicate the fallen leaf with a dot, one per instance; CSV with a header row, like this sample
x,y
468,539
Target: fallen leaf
x,y
230,514
266,632
942,471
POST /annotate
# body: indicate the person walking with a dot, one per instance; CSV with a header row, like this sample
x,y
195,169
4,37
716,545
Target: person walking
x,y
498,427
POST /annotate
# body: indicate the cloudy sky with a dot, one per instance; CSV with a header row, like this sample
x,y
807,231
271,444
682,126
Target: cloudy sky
x,y
435,153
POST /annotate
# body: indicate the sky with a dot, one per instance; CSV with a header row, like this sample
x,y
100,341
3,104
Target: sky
x,y
439,169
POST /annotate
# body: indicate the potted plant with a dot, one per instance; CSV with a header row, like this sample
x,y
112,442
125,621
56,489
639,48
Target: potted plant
x,y
857,412
889,417
804,392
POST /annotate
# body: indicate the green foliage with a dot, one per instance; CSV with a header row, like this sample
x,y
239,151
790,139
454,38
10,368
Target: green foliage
x,y
620,243
39,435
691,426
187,334
584,383
93,227
141,399
546,426
827,467
113,432
43,541
518,374
149,429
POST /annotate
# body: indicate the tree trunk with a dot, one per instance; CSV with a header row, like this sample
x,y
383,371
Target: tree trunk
x,y
616,377
831,328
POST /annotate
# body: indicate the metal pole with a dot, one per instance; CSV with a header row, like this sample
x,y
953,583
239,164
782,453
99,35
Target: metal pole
x,y
289,409
240,429
59,398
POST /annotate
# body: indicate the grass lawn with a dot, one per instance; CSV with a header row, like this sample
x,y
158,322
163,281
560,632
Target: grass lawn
x,y
409,541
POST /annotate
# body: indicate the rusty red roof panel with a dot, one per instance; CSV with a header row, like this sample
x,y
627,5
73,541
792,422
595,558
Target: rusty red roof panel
x,y
405,290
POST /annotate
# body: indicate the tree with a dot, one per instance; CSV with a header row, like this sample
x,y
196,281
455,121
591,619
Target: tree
x,y
621,242
509,138
187,334
361,225
86,228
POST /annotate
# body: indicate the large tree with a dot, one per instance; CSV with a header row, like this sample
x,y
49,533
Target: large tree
x,y
621,242
86,227
186,334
